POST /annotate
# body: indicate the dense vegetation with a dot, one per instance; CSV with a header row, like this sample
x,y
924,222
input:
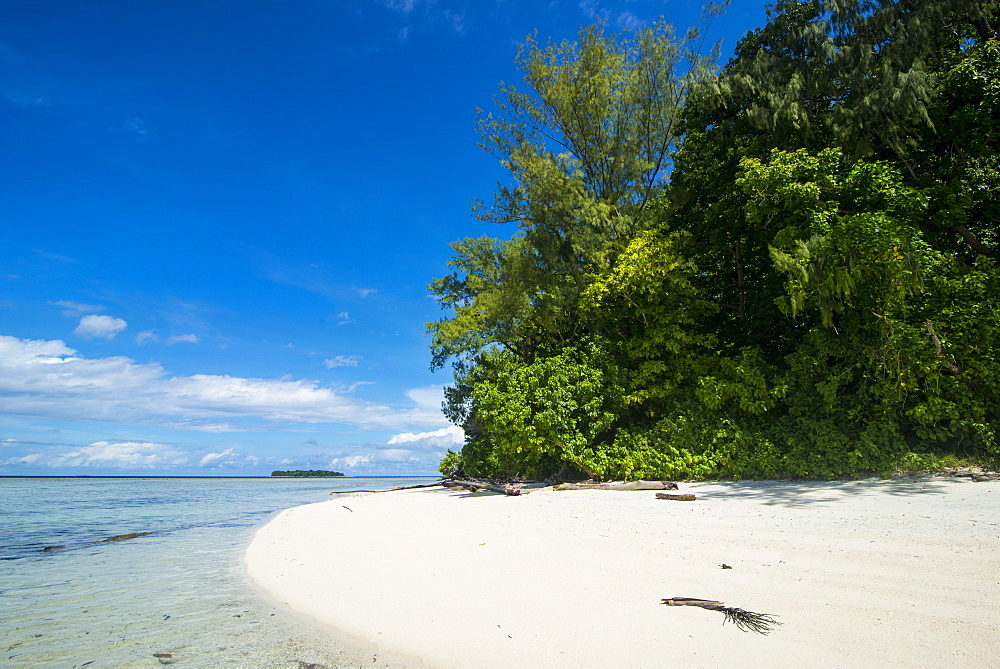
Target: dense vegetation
x,y
787,267
307,472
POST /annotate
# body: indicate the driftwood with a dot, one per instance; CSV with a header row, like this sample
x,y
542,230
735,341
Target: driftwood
x,y
468,484
677,498
482,485
405,487
747,621
630,485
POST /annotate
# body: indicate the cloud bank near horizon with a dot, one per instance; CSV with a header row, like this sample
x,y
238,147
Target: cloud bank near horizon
x,y
48,379
404,452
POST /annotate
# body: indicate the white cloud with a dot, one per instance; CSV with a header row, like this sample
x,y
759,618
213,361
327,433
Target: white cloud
x,y
150,335
590,8
74,309
146,335
48,379
121,455
396,455
401,6
342,361
628,21
446,437
429,397
456,20
625,20
99,327
29,459
351,461
344,318
229,458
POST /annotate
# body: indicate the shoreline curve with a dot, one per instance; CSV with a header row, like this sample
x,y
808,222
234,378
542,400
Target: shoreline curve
x,y
863,573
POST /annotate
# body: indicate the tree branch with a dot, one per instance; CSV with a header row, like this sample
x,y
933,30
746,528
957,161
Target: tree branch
x,y
970,238
950,364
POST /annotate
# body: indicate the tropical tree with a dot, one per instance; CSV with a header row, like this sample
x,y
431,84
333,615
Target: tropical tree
x,y
788,268
587,142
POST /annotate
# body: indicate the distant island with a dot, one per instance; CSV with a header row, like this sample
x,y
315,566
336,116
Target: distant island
x,y
310,472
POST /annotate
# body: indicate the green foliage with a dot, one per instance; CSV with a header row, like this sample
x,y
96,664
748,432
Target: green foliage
x,y
648,306
813,293
847,241
493,299
559,408
450,462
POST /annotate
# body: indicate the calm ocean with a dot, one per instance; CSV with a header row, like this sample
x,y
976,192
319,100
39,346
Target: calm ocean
x,y
181,591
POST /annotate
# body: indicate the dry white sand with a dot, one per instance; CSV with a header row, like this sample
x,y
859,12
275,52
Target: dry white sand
x,y
869,573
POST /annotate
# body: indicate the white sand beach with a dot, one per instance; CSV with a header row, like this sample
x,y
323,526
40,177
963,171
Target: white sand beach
x,y
902,572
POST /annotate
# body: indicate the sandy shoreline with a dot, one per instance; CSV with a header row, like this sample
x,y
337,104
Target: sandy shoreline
x,y
897,573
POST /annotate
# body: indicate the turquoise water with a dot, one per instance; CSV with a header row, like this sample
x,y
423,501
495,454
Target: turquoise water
x,y
181,591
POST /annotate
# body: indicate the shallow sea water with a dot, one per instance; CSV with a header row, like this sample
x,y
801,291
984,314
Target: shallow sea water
x,y
181,592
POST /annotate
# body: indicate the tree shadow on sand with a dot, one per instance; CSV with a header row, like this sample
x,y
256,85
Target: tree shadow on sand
x,y
805,493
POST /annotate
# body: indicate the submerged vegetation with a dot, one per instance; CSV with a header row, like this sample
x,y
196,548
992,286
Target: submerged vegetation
x,y
786,267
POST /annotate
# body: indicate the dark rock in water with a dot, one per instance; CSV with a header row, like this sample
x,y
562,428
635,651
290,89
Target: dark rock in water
x,y
51,548
123,537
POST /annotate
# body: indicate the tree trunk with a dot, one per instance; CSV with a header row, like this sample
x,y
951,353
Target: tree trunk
x,y
630,485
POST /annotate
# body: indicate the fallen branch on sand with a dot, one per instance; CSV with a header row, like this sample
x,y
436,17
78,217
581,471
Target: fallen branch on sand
x,y
468,484
481,485
630,485
676,498
404,487
747,621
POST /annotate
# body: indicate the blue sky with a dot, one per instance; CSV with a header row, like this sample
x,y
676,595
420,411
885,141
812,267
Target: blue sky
x,y
218,221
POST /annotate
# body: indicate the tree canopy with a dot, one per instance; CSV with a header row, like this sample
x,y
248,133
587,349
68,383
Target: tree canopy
x,y
785,267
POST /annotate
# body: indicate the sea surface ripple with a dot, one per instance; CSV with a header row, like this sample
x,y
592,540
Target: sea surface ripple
x,y
179,595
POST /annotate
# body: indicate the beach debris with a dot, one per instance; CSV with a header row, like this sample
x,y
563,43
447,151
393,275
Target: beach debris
x,y
468,484
977,473
123,537
627,485
746,621
474,485
348,508
310,665
724,566
404,487
676,498
164,658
